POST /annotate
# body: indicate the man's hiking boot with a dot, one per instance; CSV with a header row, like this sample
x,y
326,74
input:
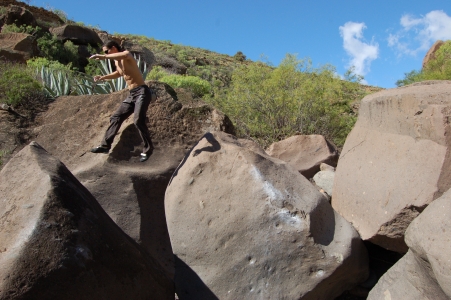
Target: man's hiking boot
x,y
100,149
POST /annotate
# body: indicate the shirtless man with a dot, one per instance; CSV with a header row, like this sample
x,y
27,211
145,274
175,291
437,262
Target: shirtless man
x,y
137,102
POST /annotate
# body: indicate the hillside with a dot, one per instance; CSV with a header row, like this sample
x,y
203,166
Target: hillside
x,y
56,39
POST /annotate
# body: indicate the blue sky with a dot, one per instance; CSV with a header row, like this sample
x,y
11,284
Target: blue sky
x,y
382,39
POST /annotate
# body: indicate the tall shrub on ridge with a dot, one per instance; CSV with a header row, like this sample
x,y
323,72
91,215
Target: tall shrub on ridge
x,y
269,104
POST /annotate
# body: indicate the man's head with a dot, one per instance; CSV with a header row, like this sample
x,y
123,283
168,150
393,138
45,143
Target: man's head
x,y
111,46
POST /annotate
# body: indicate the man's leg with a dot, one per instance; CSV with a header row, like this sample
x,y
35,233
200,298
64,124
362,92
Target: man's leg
x,y
141,105
116,120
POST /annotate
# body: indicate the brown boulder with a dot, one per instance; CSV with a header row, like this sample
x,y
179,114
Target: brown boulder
x,y
395,161
17,46
79,35
19,16
58,241
244,225
425,271
430,55
145,54
131,192
305,153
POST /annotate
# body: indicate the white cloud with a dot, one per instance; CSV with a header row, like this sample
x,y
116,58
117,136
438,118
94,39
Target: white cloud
x,y
418,34
361,53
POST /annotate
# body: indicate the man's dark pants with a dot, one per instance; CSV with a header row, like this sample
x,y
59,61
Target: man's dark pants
x,y
136,103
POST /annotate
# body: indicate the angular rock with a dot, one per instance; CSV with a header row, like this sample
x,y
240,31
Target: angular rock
x,y
244,225
142,52
57,242
79,35
395,161
17,46
19,16
305,153
138,188
430,55
170,64
326,167
407,279
325,180
429,238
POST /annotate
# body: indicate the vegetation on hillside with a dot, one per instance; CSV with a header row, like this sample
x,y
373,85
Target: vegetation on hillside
x,y
266,103
436,69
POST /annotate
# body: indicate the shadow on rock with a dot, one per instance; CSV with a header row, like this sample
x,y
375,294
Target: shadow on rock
x,y
188,285
215,146
154,233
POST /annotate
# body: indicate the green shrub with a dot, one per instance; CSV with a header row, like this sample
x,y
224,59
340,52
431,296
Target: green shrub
x,y
239,56
269,104
17,82
53,49
13,28
39,62
198,86
438,68
156,73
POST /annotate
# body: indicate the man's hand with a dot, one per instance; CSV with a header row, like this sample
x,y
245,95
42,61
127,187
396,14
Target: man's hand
x,y
97,78
98,57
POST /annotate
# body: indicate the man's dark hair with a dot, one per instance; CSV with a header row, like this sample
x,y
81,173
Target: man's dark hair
x,y
111,44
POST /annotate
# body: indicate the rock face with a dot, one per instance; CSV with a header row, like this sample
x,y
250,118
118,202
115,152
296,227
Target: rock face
x,y
395,161
19,16
39,13
305,153
425,271
131,192
17,46
430,55
58,243
244,225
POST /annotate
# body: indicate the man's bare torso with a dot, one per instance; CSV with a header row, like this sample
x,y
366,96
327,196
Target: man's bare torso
x,y
128,69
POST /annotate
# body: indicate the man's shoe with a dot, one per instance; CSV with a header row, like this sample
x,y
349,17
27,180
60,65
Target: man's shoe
x,y
144,157
100,149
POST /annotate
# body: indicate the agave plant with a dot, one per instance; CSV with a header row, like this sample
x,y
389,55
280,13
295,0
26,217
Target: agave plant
x,y
56,82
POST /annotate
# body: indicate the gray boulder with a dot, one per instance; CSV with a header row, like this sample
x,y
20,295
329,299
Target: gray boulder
x,y
57,242
395,161
305,153
425,271
244,225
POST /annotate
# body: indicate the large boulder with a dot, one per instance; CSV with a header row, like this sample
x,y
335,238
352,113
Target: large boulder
x,y
17,46
79,35
138,188
305,153
57,242
425,271
244,225
395,161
